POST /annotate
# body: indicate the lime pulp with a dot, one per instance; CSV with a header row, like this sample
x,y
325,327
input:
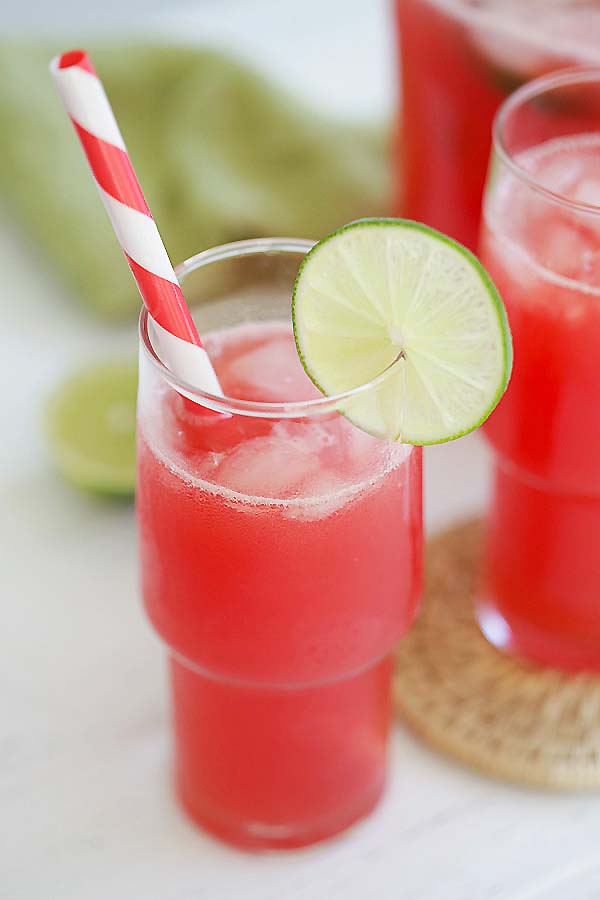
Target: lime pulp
x,y
411,315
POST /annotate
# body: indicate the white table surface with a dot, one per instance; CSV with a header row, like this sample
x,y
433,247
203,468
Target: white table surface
x,y
86,809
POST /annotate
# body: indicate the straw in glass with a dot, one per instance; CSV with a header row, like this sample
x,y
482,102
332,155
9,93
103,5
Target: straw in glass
x,y
174,333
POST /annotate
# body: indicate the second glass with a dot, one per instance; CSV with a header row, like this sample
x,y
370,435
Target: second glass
x,y
541,245
281,563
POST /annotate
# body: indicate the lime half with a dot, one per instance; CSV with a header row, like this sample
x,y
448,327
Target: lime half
x,y
91,428
396,304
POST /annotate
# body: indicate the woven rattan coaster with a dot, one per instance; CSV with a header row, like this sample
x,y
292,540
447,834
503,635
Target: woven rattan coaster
x,y
505,717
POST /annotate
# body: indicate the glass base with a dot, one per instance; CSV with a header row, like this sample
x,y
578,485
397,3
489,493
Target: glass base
x,y
262,766
540,593
257,836
524,640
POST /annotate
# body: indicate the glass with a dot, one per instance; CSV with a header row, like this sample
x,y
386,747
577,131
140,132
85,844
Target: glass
x,y
459,60
541,244
281,562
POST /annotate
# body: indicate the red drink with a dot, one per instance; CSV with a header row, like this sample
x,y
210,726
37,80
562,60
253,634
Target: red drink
x,y
281,564
541,245
459,61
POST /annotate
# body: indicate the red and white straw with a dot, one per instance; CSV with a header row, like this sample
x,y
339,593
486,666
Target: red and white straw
x,y
173,332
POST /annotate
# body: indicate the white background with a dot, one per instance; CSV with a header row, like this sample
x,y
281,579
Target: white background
x,y
86,809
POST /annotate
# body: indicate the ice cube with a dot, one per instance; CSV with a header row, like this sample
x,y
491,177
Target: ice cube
x,y
199,429
559,173
361,445
324,483
271,372
324,493
267,467
361,452
590,268
337,443
318,435
562,245
207,466
509,262
587,190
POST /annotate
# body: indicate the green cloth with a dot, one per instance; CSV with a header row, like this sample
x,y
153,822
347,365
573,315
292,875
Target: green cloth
x,y
221,154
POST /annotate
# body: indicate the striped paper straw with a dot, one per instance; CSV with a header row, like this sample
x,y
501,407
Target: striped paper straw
x,y
174,335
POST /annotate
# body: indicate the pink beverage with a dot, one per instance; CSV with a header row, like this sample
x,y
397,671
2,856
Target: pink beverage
x,y
281,563
459,60
541,245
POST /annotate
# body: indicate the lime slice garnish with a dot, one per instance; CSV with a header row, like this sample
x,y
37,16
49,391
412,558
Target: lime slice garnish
x,y
395,301
91,428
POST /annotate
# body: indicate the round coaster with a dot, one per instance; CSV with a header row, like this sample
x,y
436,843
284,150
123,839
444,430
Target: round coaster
x,y
508,718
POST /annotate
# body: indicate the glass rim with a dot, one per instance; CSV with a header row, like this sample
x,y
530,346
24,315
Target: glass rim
x,y
234,405
561,78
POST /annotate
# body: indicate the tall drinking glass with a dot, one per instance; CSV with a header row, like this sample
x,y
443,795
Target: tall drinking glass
x,y
459,60
280,561
541,244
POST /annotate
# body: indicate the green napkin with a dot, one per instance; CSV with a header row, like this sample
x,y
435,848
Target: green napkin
x,y
221,153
